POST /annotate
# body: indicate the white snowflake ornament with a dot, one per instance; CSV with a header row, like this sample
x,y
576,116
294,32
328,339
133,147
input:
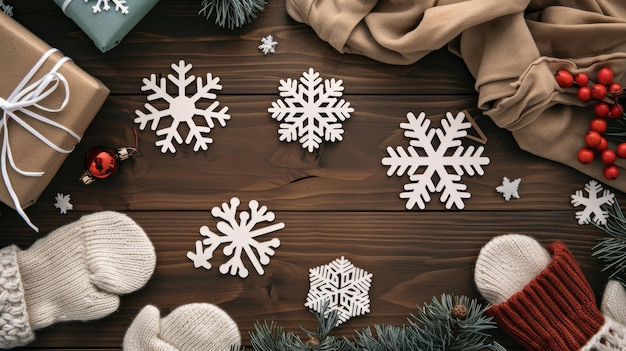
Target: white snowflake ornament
x,y
8,9
509,189
120,6
241,237
268,45
343,286
182,109
63,203
310,112
439,160
593,204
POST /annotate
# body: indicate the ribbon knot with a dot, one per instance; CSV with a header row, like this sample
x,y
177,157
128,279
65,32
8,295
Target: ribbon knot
x,y
26,99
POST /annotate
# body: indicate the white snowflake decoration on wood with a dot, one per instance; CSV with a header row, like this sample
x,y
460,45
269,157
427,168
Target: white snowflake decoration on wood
x,y
310,112
182,109
509,189
343,286
448,155
241,237
120,6
268,45
63,203
593,204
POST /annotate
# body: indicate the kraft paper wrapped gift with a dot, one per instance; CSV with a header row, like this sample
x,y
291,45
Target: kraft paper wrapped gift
x,y
106,27
46,104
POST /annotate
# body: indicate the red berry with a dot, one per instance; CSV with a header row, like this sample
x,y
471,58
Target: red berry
x,y
584,94
604,144
598,91
605,76
608,156
593,139
621,150
585,155
615,89
581,79
598,125
564,78
601,109
611,172
616,111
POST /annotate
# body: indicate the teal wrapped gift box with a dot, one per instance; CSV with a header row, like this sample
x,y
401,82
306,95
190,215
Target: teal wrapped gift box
x,y
106,22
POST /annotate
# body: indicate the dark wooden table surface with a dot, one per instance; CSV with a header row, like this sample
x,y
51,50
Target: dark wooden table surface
x,y
335,202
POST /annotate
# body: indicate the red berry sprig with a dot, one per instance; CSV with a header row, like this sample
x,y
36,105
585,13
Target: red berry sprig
x,y
606,93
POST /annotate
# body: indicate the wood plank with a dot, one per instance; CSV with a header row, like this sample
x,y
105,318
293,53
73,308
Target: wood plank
x,y
413,257
173,31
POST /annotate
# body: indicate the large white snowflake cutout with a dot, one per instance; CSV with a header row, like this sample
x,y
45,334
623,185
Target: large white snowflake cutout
x,y
593,204
104,5
63,203
241,236
268,45
310,112
509,189
341,285
435,160
182,109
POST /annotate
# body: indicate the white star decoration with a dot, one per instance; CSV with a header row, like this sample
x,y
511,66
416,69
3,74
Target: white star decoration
x,y
63,203
509,188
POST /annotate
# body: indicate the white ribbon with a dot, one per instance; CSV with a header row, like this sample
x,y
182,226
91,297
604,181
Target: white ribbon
x,y
25,99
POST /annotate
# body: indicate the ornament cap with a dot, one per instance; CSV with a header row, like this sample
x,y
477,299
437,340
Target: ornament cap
x,y
86,178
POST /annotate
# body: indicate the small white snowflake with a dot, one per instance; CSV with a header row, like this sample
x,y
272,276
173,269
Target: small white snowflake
x,y
242,238
509,188
593,204
310,111
268,45
8,9
343,286
440,160
182,109
63,203
104,5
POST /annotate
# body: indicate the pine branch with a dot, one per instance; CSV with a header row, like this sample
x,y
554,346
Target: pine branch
x,y
232,13
612,251
452,323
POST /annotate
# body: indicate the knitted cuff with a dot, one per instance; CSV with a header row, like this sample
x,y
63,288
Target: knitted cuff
x,y
15,330
611,337
556,311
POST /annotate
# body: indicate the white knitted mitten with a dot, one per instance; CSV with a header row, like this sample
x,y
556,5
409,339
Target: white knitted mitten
x,y
74,273
614,301
191,327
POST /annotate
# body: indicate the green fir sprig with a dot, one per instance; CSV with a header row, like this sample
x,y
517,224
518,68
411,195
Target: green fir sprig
x,y
611,251
232,13
450,323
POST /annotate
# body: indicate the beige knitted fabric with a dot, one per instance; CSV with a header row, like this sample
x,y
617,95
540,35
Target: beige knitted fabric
x,y
614,301
191,327
15,330
78,270
506,264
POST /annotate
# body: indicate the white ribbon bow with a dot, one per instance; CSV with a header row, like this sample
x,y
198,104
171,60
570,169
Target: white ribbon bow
x,y
25,99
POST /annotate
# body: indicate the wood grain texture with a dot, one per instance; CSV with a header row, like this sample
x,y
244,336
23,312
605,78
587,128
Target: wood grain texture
x,y
337,201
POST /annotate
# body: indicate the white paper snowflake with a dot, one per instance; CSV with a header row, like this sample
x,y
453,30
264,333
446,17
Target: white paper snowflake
x,y
8,9
509,189
343,286
268,45
439,160
241,237
182,109
104,5
310,112
63,203
593,204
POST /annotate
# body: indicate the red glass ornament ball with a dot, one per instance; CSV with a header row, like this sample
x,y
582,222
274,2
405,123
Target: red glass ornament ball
x,y
101,162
